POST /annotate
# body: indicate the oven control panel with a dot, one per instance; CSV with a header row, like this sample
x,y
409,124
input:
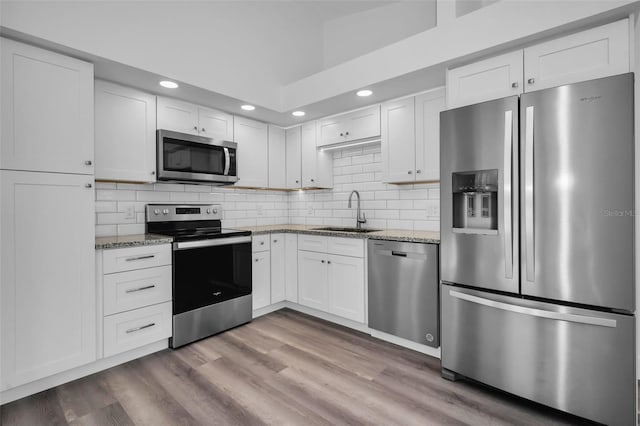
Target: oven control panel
x,y
181,212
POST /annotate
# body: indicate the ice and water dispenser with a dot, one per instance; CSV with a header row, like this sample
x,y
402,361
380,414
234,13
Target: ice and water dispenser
x,y
475,202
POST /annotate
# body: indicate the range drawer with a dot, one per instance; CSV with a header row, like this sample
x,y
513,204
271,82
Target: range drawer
x,y
128,259
133,329
260,243
312,243
124,291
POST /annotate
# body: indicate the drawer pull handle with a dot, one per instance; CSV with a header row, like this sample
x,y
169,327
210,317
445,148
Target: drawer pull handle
x,y
133,290
399,253
142,327
131,259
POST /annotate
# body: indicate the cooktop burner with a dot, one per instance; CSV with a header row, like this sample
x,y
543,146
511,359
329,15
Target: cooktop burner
x,y
188,222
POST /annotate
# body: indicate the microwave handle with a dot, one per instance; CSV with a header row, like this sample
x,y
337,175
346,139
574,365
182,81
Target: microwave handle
x,y
227,161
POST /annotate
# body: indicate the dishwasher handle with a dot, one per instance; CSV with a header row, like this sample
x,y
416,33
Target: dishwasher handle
x,y
402,254
398,253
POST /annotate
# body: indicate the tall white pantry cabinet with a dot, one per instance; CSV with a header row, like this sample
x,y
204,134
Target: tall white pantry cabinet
x,y
47,232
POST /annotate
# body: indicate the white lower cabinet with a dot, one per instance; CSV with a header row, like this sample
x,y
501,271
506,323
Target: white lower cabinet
x,y
345,280
261,292
330,281
291,267
47,275
312,280
278,268
132,329
137,297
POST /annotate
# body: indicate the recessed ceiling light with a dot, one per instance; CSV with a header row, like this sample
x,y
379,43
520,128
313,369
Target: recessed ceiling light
x,y
169,84
248,107
365,92
298,113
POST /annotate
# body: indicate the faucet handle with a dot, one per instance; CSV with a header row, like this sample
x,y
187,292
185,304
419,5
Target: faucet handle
x,y
364,218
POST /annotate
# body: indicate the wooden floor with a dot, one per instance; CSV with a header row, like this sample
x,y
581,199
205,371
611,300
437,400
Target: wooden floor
x,y
283,368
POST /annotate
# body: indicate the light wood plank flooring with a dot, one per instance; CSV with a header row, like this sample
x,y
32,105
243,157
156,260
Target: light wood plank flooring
x,y
283,368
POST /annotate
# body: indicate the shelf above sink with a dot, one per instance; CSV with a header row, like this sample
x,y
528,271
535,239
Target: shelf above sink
x,y
338,229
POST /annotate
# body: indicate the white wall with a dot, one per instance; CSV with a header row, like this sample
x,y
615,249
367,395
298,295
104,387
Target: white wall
x,y
353,35
242,49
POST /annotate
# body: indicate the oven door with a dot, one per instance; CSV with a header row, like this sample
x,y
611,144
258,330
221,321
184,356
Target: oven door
x,y
207,272
183,157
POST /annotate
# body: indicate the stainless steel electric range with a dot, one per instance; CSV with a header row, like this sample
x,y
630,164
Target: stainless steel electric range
x,y
211,269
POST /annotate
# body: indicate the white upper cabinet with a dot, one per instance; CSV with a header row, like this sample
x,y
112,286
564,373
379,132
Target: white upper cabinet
x,y
177,115
361,124
253,152
586,55
429,105
293,158
47,275
317,166
492,78
215,124
47,111
277,158
125,133
595,53
398,141
411,138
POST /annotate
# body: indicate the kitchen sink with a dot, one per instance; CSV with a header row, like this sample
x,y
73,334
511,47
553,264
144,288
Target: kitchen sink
x,y
336,229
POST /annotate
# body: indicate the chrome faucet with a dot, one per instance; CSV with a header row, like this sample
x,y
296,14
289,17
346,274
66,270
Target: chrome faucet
x,y
359,220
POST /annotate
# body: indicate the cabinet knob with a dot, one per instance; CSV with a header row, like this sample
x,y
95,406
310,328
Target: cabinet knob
x,y
275,241
341,134
418,171
257,260
313,180
531,80
153,173
514,85
203,129
297,181
322,261
328,261
88,185
409,172
195,128
88,162
261,243
347,133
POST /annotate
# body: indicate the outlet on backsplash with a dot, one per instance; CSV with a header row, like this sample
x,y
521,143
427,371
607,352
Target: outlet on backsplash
x,y
310,211
130,212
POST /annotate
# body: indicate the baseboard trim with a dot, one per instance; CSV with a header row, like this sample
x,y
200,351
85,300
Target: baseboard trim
x,y
427,350
86,370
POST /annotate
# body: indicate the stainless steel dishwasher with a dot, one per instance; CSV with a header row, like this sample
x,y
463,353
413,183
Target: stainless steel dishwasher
x,y
403,290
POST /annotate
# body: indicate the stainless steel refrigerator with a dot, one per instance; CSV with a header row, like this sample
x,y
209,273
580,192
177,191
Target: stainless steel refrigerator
x,y
537,247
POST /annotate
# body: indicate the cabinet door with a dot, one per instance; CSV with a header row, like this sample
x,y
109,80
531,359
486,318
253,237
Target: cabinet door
x,y
277,158
125,133
309,155
398,141
312,280
428,108
47,111
346,287
493,78
278,268
47,267
294,158
331,130
178,116
261,292
363,124
291,266
253,151
595,53
215,124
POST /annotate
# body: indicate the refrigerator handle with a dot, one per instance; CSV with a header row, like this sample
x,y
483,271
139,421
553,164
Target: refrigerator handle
x,y
506,187
540,313
528,196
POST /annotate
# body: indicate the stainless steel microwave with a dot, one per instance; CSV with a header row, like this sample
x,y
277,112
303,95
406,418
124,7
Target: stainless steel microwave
x,y
189,158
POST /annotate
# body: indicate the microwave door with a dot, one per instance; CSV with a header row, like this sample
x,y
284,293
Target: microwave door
x,y
227,161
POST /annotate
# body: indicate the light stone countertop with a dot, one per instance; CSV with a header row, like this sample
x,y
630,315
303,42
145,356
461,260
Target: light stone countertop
x,y
131,241
430,237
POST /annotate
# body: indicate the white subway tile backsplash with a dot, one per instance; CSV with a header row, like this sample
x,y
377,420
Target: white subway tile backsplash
x,y
410,206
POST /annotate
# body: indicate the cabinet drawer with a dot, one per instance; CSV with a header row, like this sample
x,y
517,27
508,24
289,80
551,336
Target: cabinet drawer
x,y
260,243
130,330
129,290
312,243
345,246
128,259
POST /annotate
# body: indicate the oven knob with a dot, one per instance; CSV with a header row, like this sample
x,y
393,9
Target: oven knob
x,y
208,211
165,211
156,211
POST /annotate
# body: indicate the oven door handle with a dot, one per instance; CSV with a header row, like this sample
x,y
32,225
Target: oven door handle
x,y
211,243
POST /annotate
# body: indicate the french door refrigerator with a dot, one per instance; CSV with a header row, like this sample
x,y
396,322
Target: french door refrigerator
x,y
537,247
